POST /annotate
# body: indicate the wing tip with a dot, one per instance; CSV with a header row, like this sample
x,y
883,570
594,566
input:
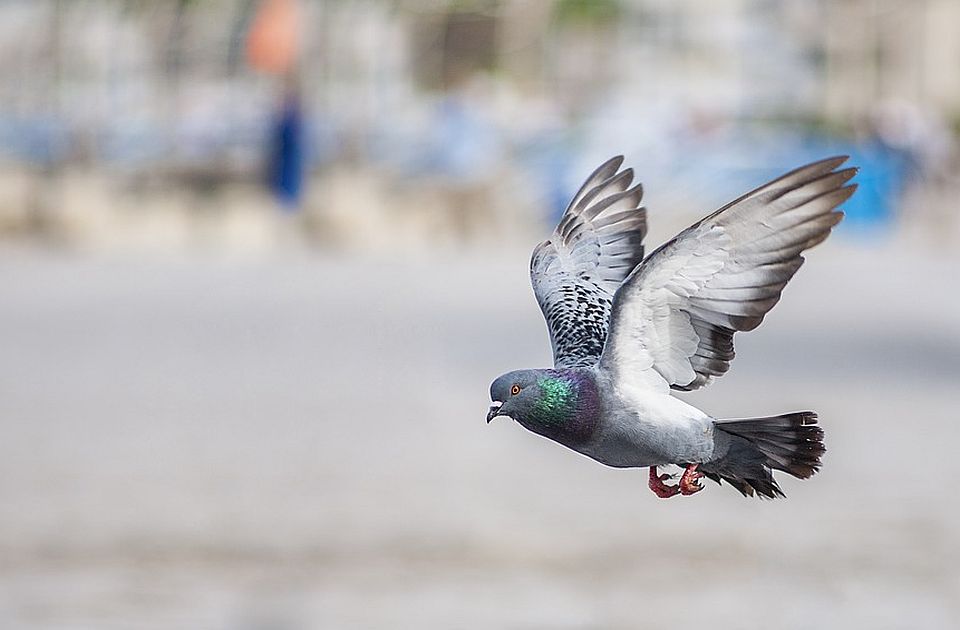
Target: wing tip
x,y
611,165
847,192
835,161
817,169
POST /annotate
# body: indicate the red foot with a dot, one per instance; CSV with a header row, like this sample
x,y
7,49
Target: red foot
x,y
659,488
689,483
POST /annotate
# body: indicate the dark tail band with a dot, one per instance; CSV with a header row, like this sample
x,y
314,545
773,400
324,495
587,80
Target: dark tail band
x,y
791,442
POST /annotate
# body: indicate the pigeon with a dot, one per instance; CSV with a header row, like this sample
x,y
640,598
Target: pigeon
x,y
628,330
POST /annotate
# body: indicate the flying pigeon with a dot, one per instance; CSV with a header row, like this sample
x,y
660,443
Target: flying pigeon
x,y
626,330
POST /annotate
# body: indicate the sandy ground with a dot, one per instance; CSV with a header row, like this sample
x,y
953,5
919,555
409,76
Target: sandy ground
x,y
299,442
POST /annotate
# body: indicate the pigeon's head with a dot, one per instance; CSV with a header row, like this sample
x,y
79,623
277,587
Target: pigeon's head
x,y
561,404
515,394
533,396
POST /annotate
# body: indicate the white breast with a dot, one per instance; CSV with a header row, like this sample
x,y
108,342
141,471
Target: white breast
x,y
648,428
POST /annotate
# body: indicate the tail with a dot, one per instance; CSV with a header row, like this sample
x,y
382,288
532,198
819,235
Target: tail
x,y
791,442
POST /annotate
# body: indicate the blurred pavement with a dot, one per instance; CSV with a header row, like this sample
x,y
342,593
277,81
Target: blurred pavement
x,y
299,442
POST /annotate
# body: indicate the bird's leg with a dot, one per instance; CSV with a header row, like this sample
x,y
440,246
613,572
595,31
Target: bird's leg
x,y
689,483
659,488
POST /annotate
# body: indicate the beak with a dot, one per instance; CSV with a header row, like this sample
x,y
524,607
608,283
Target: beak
x,y
494,410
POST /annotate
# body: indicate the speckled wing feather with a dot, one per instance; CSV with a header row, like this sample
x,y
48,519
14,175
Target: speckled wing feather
x,y
575,273
674,318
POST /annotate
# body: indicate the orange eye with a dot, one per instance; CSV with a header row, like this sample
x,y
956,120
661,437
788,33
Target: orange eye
x,y
514,390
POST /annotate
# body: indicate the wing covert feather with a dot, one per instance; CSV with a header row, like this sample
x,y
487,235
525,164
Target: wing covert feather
x,y
597,243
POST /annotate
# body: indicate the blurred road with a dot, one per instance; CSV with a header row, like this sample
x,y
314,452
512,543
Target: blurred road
x,y
300,442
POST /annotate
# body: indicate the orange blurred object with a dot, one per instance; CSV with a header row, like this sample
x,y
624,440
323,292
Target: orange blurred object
x,y
273,42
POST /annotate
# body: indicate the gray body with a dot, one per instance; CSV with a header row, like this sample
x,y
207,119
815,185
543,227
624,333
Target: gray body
x,y
631,432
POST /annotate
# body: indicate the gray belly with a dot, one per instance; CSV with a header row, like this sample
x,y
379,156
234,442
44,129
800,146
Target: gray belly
x,y
627,441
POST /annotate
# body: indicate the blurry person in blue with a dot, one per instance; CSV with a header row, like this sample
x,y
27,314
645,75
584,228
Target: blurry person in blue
x,y
286,161
273,47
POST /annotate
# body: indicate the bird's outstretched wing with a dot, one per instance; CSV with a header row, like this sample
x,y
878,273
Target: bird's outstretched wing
x,y
597,243
674,318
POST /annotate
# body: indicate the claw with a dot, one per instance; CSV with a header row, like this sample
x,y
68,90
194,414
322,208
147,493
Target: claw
x,y
689,482
659,488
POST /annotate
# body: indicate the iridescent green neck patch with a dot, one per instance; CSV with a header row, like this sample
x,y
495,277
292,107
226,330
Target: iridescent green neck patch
x,y
557,399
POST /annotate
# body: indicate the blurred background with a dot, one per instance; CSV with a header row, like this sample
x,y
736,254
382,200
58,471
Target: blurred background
x,y
262,258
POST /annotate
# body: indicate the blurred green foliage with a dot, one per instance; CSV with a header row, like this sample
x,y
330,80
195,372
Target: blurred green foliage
x,y
587,12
